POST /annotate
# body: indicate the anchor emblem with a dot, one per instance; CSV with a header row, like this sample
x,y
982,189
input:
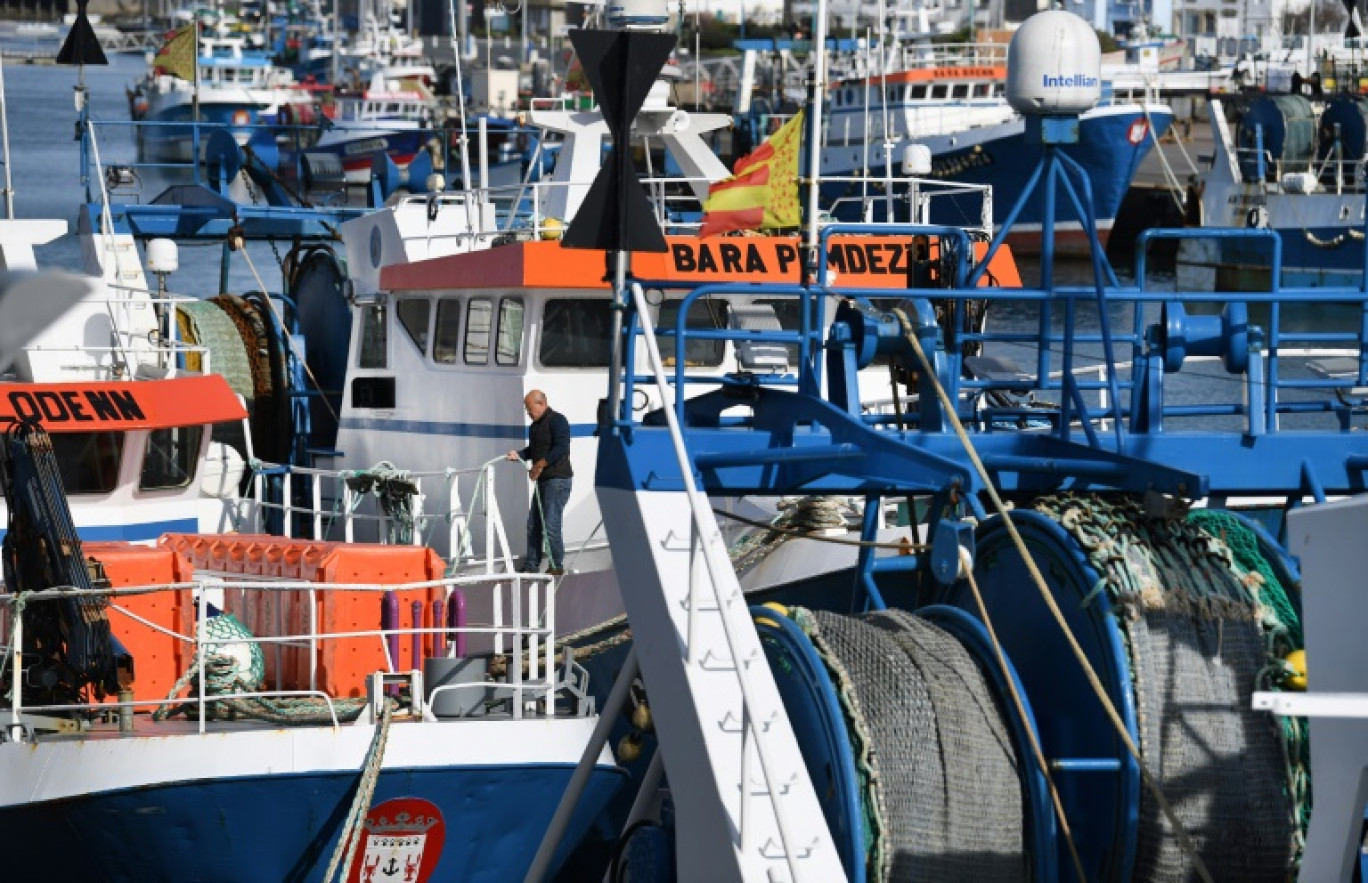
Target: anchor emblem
x,y
403,841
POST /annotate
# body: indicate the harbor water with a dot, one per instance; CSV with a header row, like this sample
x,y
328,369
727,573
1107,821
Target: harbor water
x,y
46,159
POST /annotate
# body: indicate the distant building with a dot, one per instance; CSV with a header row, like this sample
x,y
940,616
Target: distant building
x,y
1205,23
854,16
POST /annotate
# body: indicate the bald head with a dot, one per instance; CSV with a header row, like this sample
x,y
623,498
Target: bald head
x,y
535,403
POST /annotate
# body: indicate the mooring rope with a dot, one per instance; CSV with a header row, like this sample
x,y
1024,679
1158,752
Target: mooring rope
x,y
354,827
226,674
948,406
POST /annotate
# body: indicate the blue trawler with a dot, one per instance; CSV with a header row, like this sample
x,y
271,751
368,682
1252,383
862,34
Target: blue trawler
x,y
944,115
232,87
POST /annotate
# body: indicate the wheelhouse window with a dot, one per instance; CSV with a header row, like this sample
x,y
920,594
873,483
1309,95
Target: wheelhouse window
x,y
576,333
508,342
170,458
917,93
88,461
374,338
478,320
413,313
446,339
704,313
938,91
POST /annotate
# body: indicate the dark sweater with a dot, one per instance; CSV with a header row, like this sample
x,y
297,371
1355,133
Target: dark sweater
x,y
549,439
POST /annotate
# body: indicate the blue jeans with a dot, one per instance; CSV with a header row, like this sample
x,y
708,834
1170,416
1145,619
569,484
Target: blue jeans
x,y
554,494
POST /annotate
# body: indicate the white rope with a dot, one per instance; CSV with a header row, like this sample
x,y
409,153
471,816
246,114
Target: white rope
x,y
1174,188
355,826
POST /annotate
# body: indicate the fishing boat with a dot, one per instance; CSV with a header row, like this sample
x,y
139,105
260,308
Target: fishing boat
x,y
1282,164
944,114
395,115
234,89
335,703
269,751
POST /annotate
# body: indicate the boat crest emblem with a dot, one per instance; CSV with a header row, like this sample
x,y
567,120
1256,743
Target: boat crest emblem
x,y
402,842
1137,132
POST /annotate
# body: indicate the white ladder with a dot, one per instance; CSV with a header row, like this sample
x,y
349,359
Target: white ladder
x,y
746,808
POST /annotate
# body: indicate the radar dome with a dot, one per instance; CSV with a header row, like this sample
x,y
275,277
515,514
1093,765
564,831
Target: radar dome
x,y
1054,65
637,15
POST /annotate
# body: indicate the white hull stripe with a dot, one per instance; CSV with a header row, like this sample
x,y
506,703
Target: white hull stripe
x,y
66,768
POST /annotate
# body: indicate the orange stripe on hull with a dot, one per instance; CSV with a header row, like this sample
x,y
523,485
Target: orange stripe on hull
x,y
995,73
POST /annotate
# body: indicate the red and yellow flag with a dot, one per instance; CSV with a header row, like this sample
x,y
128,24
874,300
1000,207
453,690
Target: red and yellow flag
x,y
762,194
177,55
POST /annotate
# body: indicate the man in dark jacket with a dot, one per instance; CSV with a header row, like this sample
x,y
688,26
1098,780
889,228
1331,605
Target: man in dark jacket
x,y
548,450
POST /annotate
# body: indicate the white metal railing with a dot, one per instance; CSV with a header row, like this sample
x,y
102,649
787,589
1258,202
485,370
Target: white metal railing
x,y
138,339
1332,174
334,509
522,624
681,212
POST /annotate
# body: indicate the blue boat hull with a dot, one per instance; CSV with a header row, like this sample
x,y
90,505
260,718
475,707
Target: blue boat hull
x,y
1337,261
1110,149
286,827
1312,257
357,153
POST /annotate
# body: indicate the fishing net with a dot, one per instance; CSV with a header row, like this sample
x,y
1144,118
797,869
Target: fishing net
x,y
236,665
1282,634
205,324
1197,647
943,798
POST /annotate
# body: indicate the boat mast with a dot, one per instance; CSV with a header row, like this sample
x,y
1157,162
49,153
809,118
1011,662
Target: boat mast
x,y
883,113
4,146
336,58
1311,41
456,50
815,136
